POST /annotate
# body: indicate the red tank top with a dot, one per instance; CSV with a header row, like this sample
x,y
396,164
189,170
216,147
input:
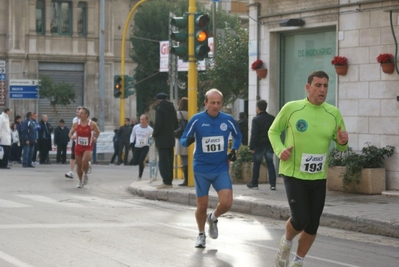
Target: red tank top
x,y
83,134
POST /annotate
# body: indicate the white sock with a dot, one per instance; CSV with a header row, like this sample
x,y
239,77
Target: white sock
x,y
213,218
286,242
298,259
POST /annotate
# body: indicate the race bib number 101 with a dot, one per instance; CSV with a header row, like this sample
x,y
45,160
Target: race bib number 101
x,y
212,144
313,163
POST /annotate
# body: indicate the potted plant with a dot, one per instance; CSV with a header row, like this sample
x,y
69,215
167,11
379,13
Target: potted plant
x,y
340,64
257,66
386,62
241,169
358,172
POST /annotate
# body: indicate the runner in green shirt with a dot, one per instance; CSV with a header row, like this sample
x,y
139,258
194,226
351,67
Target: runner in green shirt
x,y
310,125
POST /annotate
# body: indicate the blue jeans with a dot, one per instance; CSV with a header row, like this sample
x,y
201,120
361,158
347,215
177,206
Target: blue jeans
x,y
27,154
94,153
258,155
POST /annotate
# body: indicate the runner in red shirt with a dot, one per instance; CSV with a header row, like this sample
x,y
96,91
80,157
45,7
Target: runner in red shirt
x,y
87,133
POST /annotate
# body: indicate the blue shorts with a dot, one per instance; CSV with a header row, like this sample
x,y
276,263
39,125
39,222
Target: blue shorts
x,y
219,181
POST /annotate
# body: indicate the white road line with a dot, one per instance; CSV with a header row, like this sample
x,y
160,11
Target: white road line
x,y
48,200
71,225
13,260
104,201
11,204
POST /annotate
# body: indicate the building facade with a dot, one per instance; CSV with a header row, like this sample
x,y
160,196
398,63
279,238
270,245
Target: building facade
x,y
61,39
360,31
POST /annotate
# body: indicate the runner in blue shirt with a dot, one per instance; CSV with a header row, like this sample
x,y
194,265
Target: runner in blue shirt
x,y
210,130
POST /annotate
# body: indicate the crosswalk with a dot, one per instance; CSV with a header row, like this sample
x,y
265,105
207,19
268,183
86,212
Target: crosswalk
x,y
30,201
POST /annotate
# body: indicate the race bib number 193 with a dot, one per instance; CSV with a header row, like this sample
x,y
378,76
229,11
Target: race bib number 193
x,y
212,144
313,163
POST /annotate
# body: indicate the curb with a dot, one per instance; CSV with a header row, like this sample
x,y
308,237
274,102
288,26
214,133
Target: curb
x,y
272,209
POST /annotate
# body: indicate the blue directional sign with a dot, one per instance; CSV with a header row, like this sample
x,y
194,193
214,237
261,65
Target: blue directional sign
x,y
24,89
2,77
24,95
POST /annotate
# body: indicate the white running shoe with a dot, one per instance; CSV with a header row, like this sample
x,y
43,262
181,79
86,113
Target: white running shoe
x,y
283,255
89,170
80,185
296,264
213,227
200,241
85,179
69,175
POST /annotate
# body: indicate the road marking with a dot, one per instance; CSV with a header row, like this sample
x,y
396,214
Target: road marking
x,y
104,201
48,200
13,260
11,204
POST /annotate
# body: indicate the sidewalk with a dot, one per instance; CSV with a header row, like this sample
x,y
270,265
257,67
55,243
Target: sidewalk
x,y
372,214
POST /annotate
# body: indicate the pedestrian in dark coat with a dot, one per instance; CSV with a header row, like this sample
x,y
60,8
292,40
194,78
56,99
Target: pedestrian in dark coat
x,y
243,125
18,122
164,127
28,139
44,144
61,140
124,141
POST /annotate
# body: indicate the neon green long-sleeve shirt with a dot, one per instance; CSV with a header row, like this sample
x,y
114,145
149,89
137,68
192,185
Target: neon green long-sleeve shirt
x,y
309,129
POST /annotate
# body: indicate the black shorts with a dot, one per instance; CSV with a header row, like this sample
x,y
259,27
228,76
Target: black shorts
x,y
306,199
73,150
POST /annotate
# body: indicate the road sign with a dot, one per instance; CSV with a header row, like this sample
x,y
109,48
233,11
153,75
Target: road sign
x,y
2,64
2,90
24,89
24,95
24,82
2,97
2,70
2,77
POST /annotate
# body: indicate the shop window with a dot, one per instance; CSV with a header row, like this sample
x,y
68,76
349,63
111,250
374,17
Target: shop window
x,y
82,18
61,18
40,17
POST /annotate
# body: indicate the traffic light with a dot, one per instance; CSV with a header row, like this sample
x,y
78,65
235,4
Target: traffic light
x,y
117,86
201,35
180,36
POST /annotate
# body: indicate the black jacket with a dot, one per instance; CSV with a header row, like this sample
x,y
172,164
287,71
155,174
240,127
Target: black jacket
x,y
124,134
243,125
165,125
45,135
61,136
260,126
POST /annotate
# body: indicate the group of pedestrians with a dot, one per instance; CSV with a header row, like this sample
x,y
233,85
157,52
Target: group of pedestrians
x,y
24,139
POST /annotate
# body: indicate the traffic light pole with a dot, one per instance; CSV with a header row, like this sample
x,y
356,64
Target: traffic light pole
x,y
192,83
125,28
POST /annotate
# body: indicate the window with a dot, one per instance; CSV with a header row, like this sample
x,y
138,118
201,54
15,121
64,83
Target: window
x,y
61,14
40,17
82,18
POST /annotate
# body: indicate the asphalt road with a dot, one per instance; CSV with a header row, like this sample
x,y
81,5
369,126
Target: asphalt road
x,y
46,221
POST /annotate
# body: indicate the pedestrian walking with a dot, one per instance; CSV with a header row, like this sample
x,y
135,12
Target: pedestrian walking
x,y
211,130
61,140
44,142
69,174
35,147
115,141
18,123
141,134
15,144
165,125
182,114
124,142
310,125
28,139
260,145
5,137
